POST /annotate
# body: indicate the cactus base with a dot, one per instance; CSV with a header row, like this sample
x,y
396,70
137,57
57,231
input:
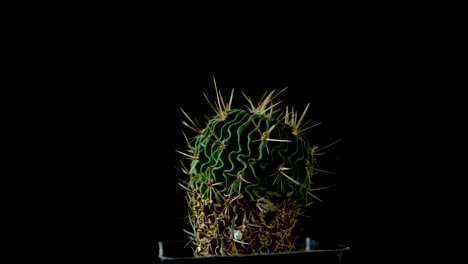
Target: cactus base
x,y
242,226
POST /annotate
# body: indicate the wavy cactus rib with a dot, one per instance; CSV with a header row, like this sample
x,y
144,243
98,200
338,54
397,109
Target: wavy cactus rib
x,y
255,149
250,174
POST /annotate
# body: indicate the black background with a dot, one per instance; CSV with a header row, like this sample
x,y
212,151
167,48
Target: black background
x,y
132,127
141,125
118,108
95,98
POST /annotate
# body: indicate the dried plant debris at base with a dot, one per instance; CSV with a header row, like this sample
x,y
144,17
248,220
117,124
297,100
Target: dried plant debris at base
x,y
223,228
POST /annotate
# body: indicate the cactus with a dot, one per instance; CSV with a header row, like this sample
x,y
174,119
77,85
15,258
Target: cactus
x,y
249,177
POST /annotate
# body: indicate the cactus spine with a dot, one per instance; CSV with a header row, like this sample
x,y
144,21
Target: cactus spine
x,y
249,178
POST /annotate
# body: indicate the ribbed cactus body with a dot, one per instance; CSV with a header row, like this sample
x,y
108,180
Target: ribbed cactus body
x,y
249,179
251,154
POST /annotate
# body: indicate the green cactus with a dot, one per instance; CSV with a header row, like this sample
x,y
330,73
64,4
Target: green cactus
x,y
250,177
